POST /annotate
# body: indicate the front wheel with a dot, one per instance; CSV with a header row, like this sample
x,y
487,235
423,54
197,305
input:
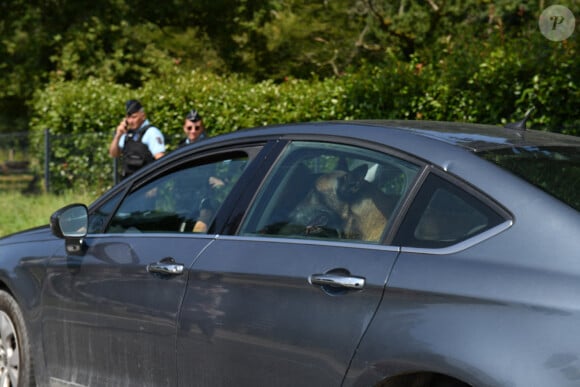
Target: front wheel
x,y
15,357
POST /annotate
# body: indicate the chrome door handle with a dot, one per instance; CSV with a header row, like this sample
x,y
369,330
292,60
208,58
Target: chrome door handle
x,y
336,280
165,268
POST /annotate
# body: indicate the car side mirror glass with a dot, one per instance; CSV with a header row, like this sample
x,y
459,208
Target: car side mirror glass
x,y
70,221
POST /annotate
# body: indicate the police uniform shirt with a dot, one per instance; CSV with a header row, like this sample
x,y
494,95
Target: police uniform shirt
x,y
153,138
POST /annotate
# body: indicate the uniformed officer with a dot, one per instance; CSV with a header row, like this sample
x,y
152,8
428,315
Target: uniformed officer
x,y
136,139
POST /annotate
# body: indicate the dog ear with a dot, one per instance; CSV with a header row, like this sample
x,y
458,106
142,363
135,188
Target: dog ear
x,y
360,172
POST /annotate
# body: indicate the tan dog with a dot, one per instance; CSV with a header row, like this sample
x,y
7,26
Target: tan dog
x,y
345,202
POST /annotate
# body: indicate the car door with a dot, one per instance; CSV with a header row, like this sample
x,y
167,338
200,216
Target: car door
x,y
431,312
110,313
286,300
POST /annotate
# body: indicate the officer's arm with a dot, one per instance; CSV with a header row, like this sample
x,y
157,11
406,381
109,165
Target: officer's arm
x,y
114,149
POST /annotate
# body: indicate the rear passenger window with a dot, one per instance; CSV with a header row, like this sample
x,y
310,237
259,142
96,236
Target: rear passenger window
x,y
443,214
332,191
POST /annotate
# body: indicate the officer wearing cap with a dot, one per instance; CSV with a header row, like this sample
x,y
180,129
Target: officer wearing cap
x,y
136,139
193,128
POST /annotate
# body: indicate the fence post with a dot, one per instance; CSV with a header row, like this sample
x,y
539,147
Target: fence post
x,y
47,160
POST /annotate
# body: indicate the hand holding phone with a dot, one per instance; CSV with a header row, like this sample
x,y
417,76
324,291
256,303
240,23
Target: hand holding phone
x,y
122,127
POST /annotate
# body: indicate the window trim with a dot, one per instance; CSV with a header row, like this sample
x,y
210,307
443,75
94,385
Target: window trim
x,y
463,245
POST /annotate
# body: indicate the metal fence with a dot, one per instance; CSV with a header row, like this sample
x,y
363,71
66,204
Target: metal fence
x,y
22,169
27,160
15,163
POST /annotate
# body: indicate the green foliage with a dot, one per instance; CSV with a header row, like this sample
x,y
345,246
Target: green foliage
x,y
490,81
127,54
35,210
82,115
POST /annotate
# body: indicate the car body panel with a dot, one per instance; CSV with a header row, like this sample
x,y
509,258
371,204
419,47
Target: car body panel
x,y
468,310
23,259
258,307
107,301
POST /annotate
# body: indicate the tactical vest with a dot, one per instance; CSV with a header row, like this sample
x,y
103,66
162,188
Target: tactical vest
x,y
135,154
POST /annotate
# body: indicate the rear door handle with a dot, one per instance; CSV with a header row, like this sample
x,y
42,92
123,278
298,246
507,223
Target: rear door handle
x,y
337,281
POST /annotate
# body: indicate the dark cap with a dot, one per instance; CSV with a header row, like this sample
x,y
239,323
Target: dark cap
x,y
193,116
132,106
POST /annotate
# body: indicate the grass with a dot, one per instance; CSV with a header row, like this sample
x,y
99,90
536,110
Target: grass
x,y
19,212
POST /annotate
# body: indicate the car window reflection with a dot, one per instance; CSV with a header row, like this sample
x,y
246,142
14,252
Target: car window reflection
x,y
330,191
182,201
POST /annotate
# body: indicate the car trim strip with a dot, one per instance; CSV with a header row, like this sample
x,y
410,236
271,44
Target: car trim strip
x,y
461,245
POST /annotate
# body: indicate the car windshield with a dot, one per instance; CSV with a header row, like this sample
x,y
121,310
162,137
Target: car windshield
x,y
555,170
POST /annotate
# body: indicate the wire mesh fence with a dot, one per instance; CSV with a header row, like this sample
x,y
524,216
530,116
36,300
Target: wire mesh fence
x,y
59,158
56,162
15,161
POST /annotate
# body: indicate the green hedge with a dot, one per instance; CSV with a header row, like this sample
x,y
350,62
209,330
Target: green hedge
x,y
82,116
486,83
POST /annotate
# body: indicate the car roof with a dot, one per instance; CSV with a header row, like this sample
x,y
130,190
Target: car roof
x,y
473,137
480,137
445,144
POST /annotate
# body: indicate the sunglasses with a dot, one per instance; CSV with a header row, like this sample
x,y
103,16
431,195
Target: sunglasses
x,y
191,127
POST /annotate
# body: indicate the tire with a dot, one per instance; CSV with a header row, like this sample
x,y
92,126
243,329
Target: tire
x,y
16,367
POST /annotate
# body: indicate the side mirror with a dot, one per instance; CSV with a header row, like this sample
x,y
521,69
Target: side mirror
x,y
70,222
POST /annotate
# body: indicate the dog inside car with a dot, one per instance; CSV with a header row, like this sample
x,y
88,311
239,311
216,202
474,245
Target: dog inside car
x,y
342,204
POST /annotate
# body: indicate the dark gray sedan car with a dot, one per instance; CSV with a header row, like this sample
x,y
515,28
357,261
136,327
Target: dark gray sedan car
x,y
361,253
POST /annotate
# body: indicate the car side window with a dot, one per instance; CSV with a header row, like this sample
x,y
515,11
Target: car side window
x,y
443,214
185,200
330,191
